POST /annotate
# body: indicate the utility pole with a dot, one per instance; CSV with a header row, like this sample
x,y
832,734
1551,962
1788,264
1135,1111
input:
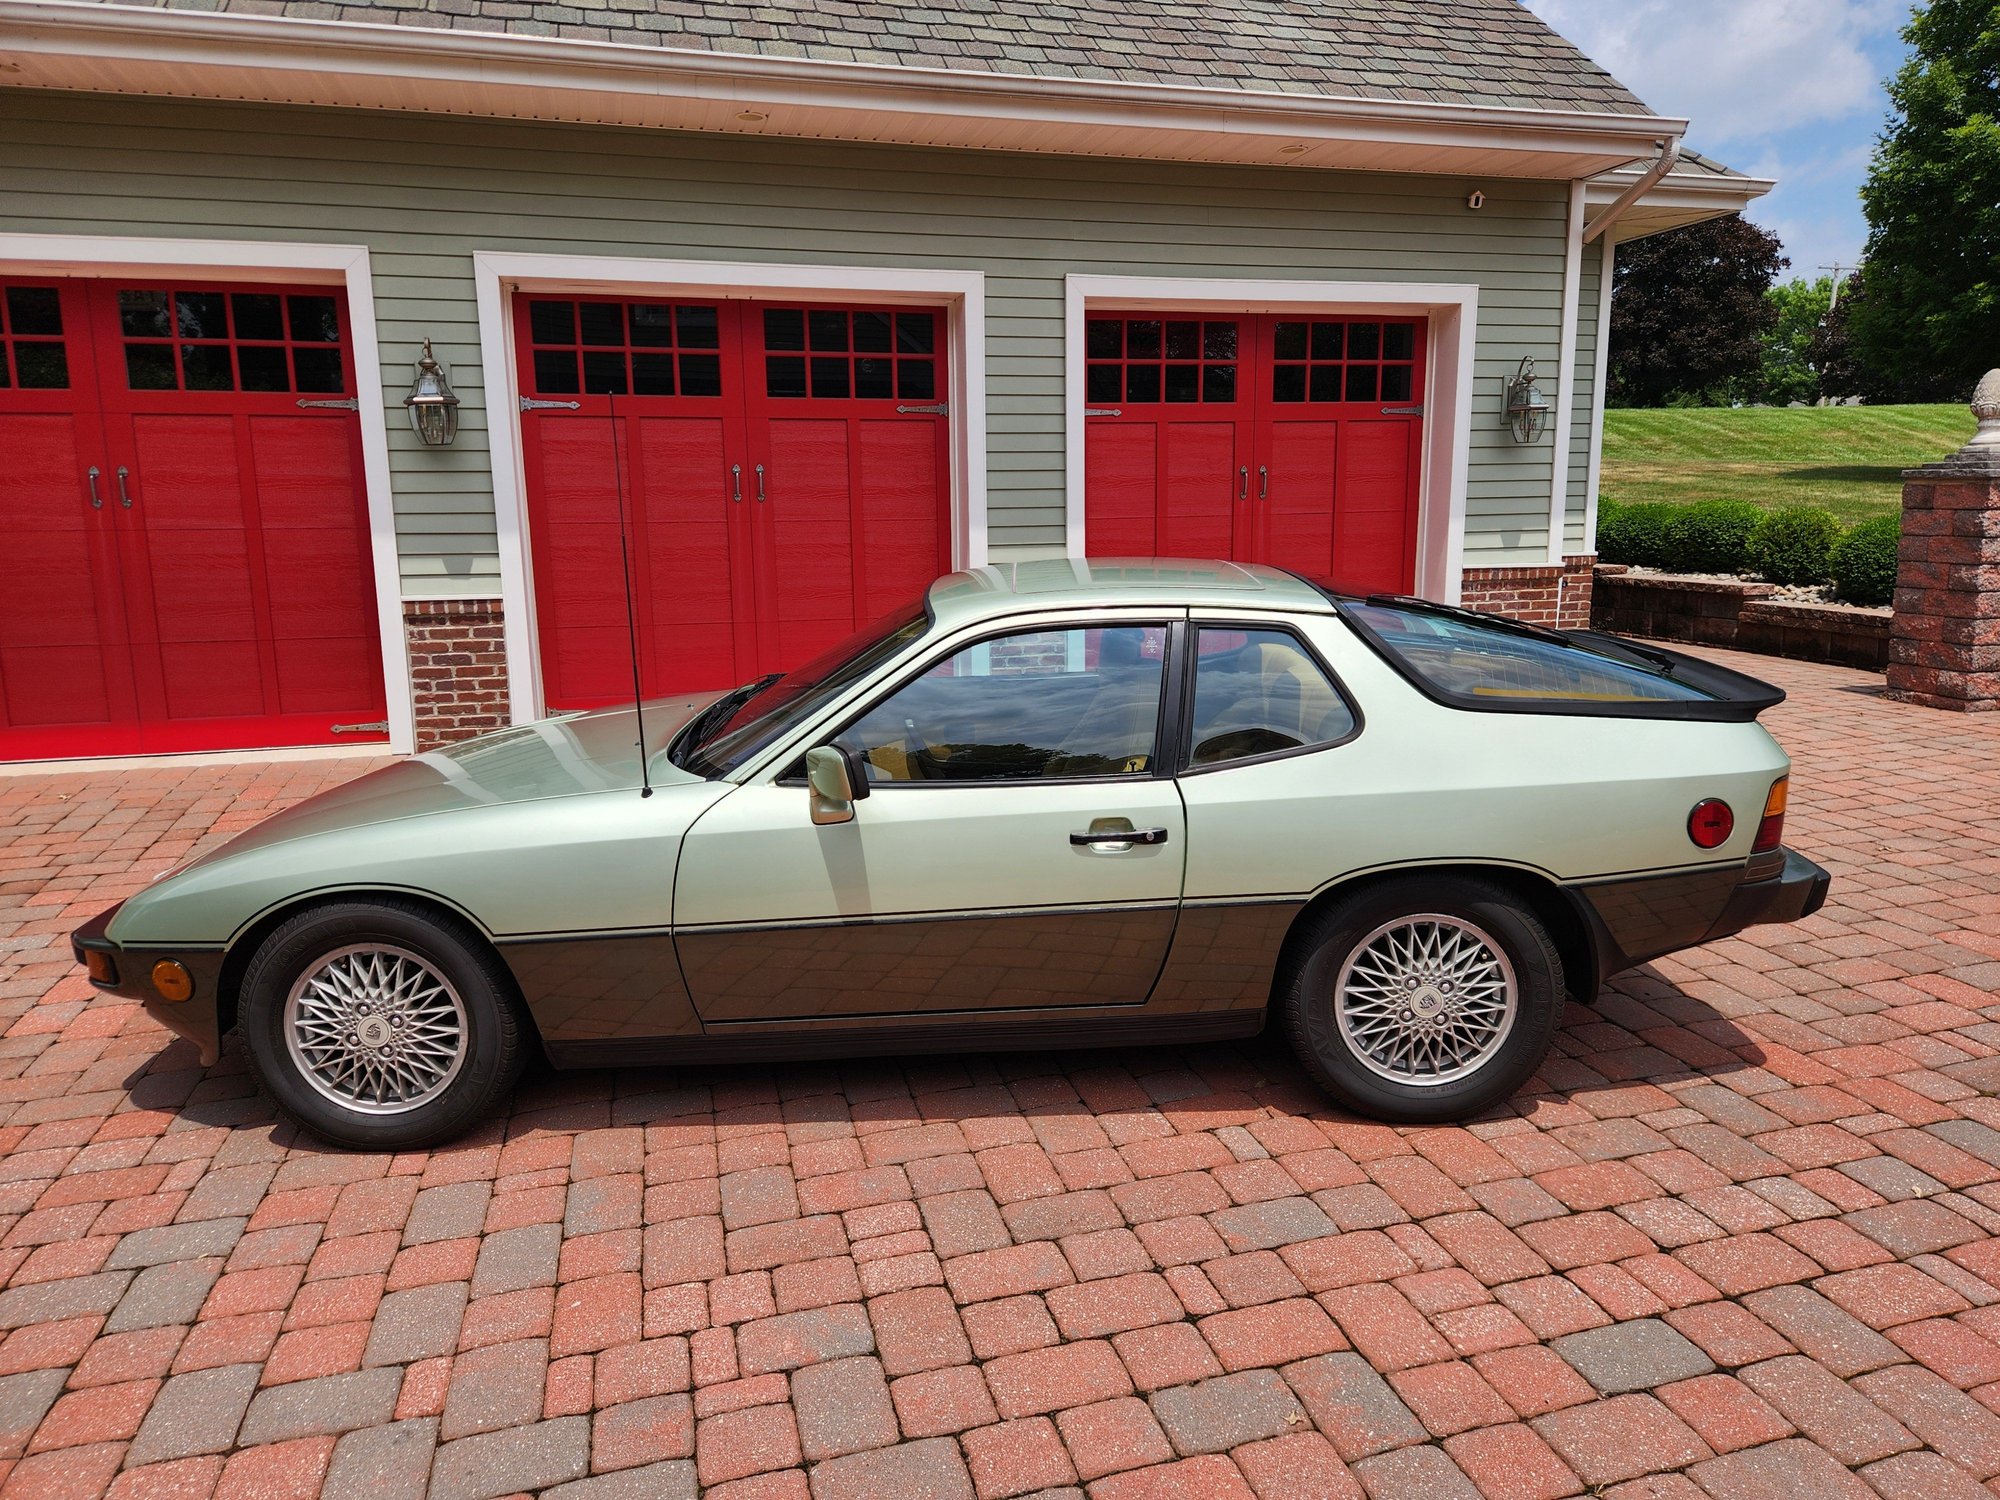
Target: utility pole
x,y
1837,269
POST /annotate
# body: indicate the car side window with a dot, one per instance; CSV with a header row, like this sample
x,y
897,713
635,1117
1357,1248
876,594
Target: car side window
x,y
1259,692
1034,706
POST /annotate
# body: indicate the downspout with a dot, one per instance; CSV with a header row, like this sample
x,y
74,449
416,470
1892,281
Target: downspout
x,y
1670,155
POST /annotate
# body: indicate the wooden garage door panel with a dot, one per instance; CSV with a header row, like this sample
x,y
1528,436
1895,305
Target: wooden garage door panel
x,y
807,591
1122,480
1298,512
1372,550
1198,496
48,525
901,549
685,534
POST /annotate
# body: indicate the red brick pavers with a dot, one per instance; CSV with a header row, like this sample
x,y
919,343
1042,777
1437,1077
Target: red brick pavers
x,y
1741,1238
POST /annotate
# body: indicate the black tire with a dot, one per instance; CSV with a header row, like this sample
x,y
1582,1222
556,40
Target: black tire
x,y
491,1031
1306,999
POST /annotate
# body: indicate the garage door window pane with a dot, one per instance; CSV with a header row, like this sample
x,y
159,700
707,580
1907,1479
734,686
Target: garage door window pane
x,y
42,367
1042,705
1259,692
33,309
552,322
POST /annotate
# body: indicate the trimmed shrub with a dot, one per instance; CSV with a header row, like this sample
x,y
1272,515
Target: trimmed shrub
x,y
1792,545
1712,537
1635,535
1863,562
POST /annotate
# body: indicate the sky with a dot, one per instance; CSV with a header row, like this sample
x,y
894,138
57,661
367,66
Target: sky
x,y
1790,89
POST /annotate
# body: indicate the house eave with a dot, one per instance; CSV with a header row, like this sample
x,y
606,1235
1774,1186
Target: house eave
x,y
1680,200
118,49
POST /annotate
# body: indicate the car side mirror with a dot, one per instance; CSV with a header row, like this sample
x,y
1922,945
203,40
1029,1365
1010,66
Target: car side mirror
x,y
837,780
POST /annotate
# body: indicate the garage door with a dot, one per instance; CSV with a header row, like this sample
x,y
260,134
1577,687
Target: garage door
x,y
784,474
1289,440
184,521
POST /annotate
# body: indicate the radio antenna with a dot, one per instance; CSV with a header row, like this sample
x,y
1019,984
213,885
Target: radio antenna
x,y
631,600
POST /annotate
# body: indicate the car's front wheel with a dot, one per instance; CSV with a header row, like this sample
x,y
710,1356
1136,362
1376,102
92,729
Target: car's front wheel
x,y
1423,999
379,1024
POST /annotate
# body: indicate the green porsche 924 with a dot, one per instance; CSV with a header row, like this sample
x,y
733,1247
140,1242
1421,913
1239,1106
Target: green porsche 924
x,y
1053,804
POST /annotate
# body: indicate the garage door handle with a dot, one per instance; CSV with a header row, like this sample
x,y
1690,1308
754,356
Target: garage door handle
x,y
1263,482
1243,483
736,483
124,499
1119,836
760,484
96,503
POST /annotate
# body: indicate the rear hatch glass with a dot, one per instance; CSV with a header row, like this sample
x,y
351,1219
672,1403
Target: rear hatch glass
x,y
1488,663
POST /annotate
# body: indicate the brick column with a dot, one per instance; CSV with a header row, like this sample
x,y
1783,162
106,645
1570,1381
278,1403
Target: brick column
x,y
1544,595
1944,647
458,668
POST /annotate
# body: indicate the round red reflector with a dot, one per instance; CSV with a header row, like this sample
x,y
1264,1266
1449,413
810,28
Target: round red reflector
x,y
1711,823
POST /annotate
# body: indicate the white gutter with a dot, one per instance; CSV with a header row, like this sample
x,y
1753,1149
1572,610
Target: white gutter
x,y
172,51
1670,155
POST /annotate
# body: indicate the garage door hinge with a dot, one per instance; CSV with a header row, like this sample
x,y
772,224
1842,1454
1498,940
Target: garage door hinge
x,y
930,411
1402,411
1104,411
529,403
350,404
380,726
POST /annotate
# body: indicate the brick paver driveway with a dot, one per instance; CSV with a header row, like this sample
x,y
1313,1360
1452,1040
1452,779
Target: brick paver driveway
x,y
1743,1240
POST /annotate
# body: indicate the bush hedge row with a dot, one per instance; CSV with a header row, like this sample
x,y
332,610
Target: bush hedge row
x,y
1799,544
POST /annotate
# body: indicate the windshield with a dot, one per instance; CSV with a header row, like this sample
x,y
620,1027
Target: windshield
x,y
739,724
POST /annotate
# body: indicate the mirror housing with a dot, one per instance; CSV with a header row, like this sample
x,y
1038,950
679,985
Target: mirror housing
x,y
837,780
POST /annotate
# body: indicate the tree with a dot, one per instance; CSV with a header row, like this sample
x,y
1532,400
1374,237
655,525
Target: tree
x,y
1931,320
1789,372
1688,311
1843,369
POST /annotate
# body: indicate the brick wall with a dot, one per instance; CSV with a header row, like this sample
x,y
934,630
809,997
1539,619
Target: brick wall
x,y
1558,596
458,668
1946,648
1739,614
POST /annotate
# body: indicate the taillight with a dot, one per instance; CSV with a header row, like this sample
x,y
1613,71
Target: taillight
x,y
1771,830
1711,823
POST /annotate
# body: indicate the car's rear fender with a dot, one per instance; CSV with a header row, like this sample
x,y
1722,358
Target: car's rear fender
x,y
1574,928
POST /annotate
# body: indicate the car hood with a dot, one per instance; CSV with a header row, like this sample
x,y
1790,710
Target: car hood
x,y
566,756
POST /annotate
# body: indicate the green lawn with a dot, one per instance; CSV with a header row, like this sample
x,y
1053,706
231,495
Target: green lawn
x,y
1848,459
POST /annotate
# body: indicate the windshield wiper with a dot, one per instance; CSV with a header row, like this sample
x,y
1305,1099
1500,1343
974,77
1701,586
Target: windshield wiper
x,y
717,713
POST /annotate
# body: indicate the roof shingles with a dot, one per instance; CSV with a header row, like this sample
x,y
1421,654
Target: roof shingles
x,y
1477,52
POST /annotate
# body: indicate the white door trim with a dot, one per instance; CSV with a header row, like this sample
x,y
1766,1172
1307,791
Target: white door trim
x,y
496,273
1453,313
346,266
1565,379
1598,393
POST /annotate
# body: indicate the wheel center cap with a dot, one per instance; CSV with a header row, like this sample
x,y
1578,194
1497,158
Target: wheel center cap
x,y
1427,1002
374,1032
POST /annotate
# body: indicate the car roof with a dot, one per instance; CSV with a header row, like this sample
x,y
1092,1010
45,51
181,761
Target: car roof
x,y
1104,582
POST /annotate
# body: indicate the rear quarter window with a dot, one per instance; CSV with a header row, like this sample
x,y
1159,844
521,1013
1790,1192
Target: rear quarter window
x,y
1472,663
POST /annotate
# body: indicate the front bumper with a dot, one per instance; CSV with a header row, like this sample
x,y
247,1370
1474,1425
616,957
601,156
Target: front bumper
x,y
1649,916
196,1018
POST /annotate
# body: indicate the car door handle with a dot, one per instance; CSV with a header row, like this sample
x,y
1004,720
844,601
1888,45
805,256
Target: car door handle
x,y
1119,836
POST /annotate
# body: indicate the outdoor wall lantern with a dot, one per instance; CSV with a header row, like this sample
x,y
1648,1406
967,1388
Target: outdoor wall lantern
x,y
433,407
1527,408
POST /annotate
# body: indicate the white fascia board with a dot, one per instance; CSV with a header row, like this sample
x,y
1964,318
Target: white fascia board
x,y
121,48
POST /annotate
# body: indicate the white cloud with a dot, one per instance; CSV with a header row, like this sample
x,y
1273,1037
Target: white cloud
x,y
1739,69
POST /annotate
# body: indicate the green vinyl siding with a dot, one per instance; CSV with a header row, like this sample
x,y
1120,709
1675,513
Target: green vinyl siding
x,y
425,192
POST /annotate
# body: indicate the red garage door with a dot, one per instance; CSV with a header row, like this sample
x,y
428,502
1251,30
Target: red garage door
x,y
785,481
185,521
1289,440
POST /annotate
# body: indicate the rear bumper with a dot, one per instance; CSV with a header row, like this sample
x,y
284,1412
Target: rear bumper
x,y
1646,917
131,979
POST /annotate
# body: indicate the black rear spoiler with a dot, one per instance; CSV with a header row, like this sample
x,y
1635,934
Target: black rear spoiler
x,y
1748,696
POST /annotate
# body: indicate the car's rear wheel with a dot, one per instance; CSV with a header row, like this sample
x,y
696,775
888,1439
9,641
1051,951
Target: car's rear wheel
x,y
380,1024
1420,1000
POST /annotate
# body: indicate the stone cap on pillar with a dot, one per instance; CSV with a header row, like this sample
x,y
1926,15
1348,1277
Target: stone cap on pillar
x,y
1980,457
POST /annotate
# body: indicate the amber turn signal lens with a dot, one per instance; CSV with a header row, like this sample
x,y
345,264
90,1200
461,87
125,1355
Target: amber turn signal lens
x,y
97,963
1711,823
1771,828
172,980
